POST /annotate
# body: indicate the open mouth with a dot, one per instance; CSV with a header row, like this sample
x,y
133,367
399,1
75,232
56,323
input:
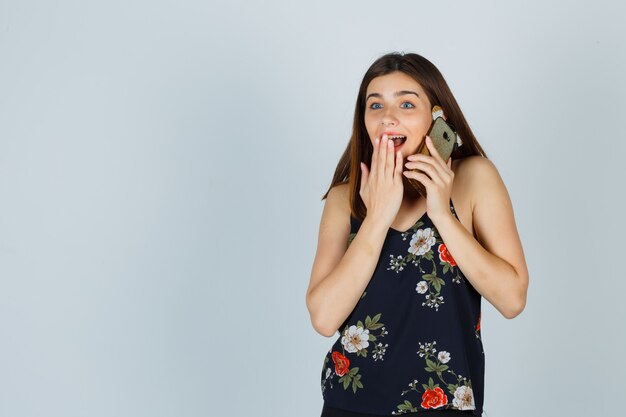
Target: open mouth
x,y
398,140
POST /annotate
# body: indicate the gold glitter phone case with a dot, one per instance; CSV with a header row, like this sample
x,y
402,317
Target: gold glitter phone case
x,y
445,139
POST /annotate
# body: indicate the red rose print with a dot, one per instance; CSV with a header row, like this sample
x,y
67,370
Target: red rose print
x,y
445,256
434,398
478,325
341,363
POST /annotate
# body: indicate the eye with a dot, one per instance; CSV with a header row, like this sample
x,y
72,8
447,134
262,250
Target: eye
x,y
406,102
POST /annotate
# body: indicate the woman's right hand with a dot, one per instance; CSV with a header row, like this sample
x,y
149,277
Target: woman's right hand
x,y
382,188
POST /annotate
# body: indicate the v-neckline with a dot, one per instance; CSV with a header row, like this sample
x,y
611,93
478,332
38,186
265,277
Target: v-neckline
x,y
391,229
421,203
423,216
396,231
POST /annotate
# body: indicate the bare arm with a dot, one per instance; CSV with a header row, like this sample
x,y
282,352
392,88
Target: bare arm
x,y
494,264
340,272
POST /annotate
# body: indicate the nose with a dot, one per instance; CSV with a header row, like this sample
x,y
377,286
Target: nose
x,y
389,119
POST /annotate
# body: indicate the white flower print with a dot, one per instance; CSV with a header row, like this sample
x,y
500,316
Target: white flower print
x,y
422,241
380,350
422,287
433,300
443,356
355,338
397,263
328,371
464,398
427,349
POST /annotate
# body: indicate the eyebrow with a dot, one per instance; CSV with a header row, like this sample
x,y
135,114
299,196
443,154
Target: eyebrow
x,y
396,94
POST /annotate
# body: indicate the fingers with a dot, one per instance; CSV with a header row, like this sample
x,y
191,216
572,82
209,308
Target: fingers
x,y
390,159
398,170
386,164
433,151
382,157
423,178
374,164
364,176
438,170
433,171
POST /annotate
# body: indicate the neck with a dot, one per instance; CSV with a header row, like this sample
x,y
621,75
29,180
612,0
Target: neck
x,y
410,194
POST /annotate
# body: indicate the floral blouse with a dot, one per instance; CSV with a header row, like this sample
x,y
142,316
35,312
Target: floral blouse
x,y
412,343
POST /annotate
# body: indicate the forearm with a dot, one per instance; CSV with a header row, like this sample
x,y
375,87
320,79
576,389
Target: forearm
x,y
494,278
334,298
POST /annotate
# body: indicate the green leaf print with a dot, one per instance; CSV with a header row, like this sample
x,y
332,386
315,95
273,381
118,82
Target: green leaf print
x,y
356,383
351,377
346,379
406,407
431,384
430,365
372,323
434,280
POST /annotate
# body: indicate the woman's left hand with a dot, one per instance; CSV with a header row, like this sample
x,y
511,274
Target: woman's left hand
x,y
439,185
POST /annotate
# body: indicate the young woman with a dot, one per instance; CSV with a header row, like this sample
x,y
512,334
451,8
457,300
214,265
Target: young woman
x,y
400,276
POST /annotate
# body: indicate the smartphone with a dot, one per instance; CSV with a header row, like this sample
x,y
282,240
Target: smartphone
x,y
445,141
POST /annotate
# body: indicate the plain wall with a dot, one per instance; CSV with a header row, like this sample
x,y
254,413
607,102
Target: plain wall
x,y
161,169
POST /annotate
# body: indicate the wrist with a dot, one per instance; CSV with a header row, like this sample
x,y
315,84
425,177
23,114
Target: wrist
x,y
376,225
443,218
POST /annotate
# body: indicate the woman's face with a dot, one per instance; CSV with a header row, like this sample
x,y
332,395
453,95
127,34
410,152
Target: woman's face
x,y
396,104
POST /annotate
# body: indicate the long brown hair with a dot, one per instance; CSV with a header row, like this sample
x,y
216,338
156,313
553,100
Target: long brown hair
x,y
360,148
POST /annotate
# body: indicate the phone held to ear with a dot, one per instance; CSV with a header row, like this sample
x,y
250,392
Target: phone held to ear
x,y
445,140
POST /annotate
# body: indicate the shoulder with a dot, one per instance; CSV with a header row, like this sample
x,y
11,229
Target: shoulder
x,y
480,177
339,197
336,213
476,165
341,190
491,207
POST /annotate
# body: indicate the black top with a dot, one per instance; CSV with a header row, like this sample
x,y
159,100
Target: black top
x,y
412,343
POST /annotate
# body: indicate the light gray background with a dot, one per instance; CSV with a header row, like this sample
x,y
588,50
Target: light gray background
x,y
161,169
